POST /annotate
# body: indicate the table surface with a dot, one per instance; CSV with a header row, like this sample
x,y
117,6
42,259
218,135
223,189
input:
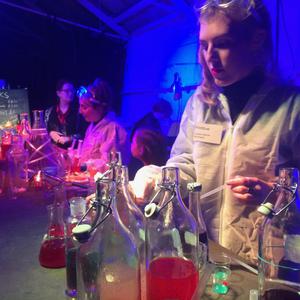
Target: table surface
x,y
23,223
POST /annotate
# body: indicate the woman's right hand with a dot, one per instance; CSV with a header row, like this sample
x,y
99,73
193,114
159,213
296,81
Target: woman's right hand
x,y
144,183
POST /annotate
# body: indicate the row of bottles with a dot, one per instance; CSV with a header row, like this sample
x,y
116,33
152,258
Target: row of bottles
x,y
121,253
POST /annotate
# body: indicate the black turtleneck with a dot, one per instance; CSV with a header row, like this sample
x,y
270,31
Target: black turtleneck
x,y
240,92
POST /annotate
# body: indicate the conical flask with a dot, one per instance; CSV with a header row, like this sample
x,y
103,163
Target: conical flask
x,y
171,243
279,240
108,263
52,251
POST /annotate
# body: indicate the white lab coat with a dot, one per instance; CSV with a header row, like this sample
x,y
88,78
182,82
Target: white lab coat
x,y
266,135
100,139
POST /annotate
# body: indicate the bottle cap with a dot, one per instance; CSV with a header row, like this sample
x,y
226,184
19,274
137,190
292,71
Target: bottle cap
x,y
194,187
82,232
265,208
150,210
77,206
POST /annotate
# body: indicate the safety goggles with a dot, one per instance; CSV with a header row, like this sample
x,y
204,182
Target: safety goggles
x,y
241,8
83,92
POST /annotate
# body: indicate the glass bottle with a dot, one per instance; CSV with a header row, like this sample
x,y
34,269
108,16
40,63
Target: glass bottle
x,y
171,243
25,128
77,212
279,239
17,158
132,217
194,189
52,251
108,263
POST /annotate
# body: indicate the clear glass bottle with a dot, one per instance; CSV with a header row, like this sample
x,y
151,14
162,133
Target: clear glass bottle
x,y
279,239
171,243
194,189
77,212
17,158
132,217
108,263
52,251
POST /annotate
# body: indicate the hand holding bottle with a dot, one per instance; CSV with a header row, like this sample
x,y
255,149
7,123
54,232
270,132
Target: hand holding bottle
x,y
144,183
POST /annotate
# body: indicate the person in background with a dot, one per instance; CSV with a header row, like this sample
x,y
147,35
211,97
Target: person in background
x,y
149,147
62,120
105,133
159,119
240,126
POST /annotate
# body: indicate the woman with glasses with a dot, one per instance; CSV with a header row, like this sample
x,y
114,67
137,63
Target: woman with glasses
x,y
105,133
238,128
63,120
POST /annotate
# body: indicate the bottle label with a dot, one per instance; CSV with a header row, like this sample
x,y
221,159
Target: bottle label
x,y
190,238
292,247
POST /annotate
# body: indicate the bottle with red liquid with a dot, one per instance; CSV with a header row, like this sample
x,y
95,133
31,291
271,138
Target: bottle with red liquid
x,y
52,251
172,243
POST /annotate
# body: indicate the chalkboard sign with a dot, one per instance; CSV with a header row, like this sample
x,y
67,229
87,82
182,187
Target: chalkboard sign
x,y
12,102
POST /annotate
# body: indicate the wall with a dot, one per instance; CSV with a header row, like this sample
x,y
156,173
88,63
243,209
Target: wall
x,y
153,56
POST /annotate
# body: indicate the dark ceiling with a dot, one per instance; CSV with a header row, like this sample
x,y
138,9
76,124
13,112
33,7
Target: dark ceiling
x,y
115,18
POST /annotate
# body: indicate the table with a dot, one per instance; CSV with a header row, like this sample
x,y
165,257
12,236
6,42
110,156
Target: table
x,y
23,222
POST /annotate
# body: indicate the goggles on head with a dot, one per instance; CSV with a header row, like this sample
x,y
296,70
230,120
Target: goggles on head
x,y
242,8
83,92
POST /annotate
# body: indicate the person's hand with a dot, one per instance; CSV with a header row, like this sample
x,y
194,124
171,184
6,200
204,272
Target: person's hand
x,y
58,138
144,183
64,139
249,188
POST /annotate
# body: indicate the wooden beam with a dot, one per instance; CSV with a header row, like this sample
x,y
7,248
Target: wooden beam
x,y
133,10
103,17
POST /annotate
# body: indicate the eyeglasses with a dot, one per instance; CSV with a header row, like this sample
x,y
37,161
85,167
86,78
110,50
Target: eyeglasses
x,y
242,8
70,91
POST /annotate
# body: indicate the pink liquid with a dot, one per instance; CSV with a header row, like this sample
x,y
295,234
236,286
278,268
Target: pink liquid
x,y
75,165
171,278
52,252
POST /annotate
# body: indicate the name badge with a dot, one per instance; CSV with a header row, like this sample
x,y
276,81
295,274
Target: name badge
x,y
208,133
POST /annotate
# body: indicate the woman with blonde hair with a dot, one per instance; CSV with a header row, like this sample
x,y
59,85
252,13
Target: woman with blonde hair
x,y
238,128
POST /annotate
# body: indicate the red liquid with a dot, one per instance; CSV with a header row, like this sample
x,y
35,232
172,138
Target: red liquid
x,y
52,253
75,167
4,149
171,278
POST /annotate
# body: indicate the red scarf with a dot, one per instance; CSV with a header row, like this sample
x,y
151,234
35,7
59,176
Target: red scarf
x,y
62,116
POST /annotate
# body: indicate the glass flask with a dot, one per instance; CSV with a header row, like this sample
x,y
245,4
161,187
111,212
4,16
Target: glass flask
x,y
108,264
77,213
171,243
52,251
41,152
279,239
17,166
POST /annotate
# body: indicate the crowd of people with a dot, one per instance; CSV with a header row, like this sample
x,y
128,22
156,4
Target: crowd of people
x,y
92,120
241,125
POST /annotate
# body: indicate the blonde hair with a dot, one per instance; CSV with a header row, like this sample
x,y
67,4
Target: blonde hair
x,y
247,16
